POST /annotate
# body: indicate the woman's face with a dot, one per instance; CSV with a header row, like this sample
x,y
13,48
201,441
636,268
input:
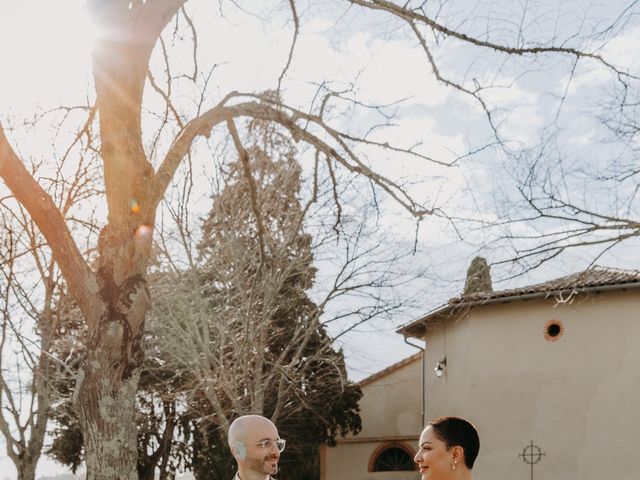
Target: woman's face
x,y
433,458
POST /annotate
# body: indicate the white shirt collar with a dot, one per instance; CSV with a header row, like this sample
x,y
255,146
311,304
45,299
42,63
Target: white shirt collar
x,y
237,477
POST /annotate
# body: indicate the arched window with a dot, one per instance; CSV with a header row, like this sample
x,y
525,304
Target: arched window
x,y
394,457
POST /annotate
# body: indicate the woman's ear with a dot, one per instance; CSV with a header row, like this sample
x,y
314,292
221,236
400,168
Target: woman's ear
x,y
457,455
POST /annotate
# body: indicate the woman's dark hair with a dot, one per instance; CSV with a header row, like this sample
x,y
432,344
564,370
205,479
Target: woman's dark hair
x,y
456,431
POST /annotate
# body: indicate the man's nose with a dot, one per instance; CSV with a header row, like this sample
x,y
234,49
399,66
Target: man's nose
x,y
274,449
275,454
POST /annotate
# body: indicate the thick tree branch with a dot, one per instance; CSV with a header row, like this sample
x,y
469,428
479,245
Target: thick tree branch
x,y
81,281
272,111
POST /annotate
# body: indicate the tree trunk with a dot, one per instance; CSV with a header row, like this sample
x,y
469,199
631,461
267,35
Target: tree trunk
x,y
106,395
108,381
27,469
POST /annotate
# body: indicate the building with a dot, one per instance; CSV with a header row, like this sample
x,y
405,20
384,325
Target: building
x,y
549,374
390,409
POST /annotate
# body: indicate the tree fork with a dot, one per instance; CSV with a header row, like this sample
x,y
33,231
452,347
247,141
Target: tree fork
x,y
108,379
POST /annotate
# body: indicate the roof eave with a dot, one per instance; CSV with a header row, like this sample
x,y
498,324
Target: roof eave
x,y
416,329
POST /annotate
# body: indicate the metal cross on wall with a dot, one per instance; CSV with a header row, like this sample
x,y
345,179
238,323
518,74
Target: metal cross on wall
x,y
531,454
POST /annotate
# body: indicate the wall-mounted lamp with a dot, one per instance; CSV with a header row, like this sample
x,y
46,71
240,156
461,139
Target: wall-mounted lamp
x,y
440,366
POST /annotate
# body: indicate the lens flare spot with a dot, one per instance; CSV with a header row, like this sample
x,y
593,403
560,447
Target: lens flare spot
x,y
134,206
143,233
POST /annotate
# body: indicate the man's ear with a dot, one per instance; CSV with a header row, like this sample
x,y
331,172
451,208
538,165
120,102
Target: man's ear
x,y
239,451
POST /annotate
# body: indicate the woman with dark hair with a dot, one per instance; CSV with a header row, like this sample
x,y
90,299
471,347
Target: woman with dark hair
x,y
447,449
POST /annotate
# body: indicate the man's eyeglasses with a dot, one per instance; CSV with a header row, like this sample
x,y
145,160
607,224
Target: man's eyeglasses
x,y
269,444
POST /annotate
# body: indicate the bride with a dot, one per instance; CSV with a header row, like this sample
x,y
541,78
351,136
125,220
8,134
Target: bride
x,y
447,449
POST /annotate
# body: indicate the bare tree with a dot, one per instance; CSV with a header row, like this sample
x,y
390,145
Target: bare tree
x,y
24,383
573,202
32,289
112,292
562,221
242,325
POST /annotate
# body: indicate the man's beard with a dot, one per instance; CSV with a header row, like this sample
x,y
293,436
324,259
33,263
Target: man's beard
x,y
267,465
270,465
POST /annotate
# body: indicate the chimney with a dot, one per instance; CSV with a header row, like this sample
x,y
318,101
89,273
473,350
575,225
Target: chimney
x,y
478,277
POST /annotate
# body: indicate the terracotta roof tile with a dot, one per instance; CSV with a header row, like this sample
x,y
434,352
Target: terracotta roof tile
x,y
592,278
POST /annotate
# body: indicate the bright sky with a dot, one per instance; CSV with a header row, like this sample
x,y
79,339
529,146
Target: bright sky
x,y
45,50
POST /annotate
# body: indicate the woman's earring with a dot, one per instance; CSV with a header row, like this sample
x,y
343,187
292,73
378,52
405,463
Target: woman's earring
x,y
453,465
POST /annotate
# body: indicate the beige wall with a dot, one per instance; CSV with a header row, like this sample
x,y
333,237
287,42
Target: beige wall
x,y
349,461
390,409
390,405
577,398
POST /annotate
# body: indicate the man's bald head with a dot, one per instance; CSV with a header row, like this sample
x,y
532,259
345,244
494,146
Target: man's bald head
x,y
242,427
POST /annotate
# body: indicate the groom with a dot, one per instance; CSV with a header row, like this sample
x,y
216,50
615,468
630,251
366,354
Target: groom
x,y
256,446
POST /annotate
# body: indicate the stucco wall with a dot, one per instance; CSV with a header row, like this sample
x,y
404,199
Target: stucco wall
x,y
578,398
349,461
390,405
390,409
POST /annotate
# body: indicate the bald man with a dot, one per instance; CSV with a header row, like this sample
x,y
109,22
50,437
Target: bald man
x,y
256,446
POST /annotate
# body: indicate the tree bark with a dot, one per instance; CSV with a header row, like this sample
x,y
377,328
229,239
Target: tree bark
x,y
27,470
108,380
107,385
108,416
